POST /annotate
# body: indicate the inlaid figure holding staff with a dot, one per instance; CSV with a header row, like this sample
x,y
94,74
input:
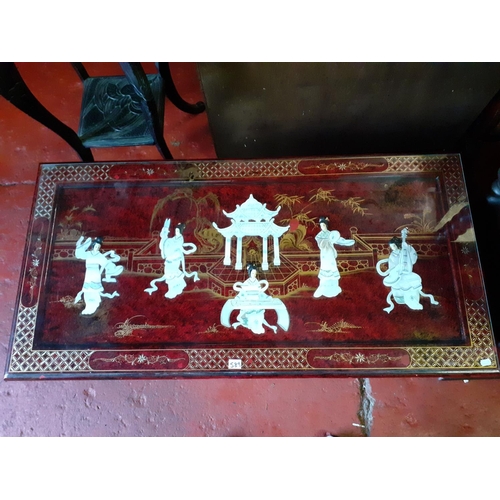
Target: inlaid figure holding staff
x,y
406,286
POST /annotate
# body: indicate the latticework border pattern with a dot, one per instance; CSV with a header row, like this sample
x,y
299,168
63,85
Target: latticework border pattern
x,y
448,165
50,174
481,347
251,359
26,360
237,169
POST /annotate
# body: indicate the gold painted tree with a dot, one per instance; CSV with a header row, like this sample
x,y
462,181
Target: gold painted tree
x,y
299,210
209,239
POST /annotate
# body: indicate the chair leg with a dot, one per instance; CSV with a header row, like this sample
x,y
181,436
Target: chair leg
x,y
138,79
80,70
173,95
15,90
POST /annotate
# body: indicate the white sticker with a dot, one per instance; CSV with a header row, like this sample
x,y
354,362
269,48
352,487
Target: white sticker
x,y
234,364
486,362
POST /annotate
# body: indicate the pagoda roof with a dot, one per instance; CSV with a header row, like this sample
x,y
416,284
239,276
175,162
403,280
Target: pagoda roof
x,y
249,228
252,210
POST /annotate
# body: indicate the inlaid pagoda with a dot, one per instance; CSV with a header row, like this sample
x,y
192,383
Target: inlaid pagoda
x,y
252,218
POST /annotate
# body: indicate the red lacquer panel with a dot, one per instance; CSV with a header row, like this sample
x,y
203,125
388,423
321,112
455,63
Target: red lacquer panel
x,y
221,322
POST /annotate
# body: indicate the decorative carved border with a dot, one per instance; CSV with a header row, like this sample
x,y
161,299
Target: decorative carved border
x,y
50,174
25,359
481,348
449,166
251,359
239,169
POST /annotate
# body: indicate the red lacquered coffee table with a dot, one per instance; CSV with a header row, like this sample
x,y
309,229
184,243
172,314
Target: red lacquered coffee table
x,y
293,267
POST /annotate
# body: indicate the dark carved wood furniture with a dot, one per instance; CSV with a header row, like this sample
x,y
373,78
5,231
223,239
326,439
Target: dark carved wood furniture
x,y
122,110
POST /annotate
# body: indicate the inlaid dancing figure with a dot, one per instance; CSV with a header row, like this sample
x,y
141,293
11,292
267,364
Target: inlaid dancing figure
x,y
95,264
406,286
173,251
329,275
252,302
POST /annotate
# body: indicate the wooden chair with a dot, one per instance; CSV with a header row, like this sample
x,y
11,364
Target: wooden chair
x,y
116,111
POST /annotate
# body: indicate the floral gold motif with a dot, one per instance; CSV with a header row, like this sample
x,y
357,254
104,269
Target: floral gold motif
x,y
140,359
344,166
360,358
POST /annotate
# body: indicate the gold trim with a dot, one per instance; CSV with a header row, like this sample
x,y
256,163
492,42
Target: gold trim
x,y
26,360
140,359
239,169
461,357
360,358
251,359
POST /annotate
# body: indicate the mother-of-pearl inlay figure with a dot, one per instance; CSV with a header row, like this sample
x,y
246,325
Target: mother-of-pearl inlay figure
x,y
329,275
252,302
95,264
406,286
173,251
